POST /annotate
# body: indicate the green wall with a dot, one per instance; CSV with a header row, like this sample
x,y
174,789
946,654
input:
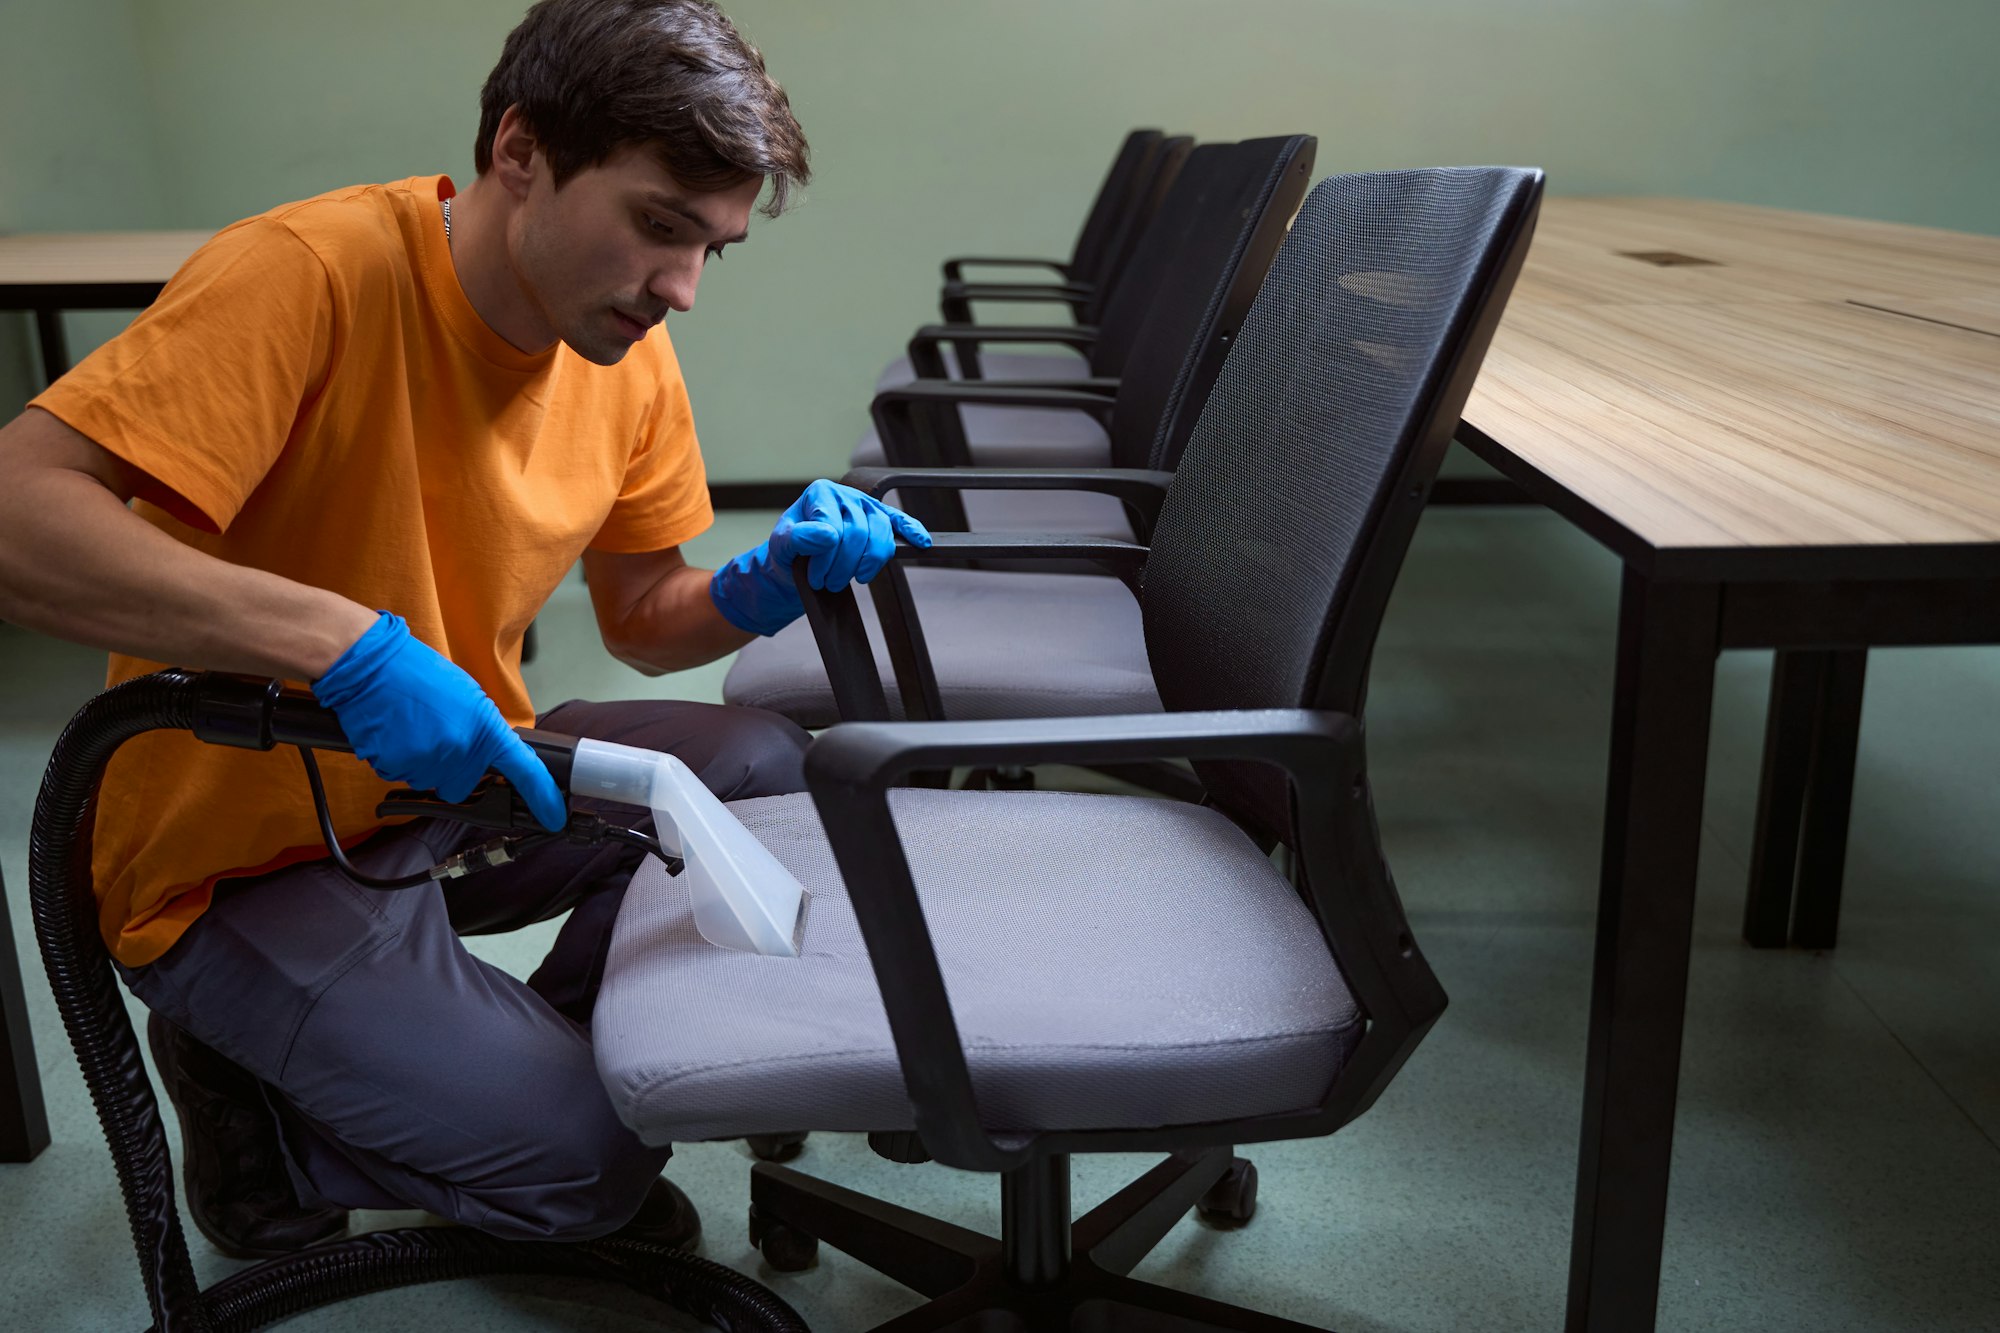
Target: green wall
x,y
956,127
77,151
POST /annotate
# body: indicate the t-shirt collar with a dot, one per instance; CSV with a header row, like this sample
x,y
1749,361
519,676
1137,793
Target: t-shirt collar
x,y
441,277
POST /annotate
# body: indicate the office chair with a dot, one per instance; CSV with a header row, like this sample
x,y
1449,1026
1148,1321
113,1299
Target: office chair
x,y
1006,434
1127,184
997,980
1156,175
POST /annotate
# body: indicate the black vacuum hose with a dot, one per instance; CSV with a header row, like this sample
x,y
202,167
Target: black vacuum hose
x,y
258,715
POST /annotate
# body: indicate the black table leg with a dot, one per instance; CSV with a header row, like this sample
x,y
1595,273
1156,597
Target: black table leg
x,y
55,345
1798,681
1667,641
1800,849
24,1121
1829,800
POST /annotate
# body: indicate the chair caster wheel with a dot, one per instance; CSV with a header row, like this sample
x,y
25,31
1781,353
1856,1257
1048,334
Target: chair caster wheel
x,y
785,1248
1232,1200
776,1147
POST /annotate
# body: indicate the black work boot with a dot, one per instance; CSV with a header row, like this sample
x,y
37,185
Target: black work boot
x,y
238,1191
667,1218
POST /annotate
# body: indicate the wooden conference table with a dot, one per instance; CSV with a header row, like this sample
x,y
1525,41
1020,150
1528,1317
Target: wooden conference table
x,y
1788,428
102,270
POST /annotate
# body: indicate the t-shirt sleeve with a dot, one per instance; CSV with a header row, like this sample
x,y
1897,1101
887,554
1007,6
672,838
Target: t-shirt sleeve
x,y
664,499
202,389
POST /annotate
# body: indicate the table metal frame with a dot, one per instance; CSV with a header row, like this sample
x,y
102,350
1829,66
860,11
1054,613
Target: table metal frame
x,y
1820,609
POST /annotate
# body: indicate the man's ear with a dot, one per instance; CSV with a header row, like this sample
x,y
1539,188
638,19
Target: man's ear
x,y
514,150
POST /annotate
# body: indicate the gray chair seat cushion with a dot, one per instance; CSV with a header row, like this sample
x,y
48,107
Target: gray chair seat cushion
x,y
1016,437
1112,962
1001,644
994,365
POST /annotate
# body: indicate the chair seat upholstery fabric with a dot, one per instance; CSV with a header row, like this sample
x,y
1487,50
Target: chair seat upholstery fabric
x,y
1001,644
1015,437
994,365
1112,962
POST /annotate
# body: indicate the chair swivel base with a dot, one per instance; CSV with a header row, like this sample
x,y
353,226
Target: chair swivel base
x,y
1043,1273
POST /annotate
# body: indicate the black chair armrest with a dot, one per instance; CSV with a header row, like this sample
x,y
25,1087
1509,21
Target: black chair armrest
x,y
851,767
1146,485
954,269
934,443
1015,291
1081,336
955,303
1308,744
926,360
1141,490
956,548
1087,394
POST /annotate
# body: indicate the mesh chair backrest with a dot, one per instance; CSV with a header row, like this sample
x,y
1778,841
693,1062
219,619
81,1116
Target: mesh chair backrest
x,y
1115,197
1156,177
1306,473
1191,285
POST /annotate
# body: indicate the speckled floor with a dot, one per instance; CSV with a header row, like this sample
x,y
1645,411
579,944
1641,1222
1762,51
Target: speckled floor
x,y
1837,1159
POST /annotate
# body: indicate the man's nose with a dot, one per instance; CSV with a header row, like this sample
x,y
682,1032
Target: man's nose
x,y
675,283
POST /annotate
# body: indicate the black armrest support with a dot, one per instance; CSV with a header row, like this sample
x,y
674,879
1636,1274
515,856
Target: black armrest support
x,y
954,269
851,768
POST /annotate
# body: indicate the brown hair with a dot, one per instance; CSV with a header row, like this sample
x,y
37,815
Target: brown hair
x,y
591,76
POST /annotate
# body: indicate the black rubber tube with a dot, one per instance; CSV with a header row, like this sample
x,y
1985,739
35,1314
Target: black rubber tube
x,y
92,1006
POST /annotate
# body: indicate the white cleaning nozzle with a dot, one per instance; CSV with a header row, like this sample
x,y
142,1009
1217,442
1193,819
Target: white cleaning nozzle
x,y
743,897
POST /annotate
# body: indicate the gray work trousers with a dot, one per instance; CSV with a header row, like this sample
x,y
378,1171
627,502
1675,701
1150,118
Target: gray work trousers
x,y
406,1073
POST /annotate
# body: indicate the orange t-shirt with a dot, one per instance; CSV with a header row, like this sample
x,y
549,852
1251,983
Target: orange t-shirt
x,y
319,399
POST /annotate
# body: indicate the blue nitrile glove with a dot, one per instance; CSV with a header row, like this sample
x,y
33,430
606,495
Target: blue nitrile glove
x,y
417,718
848,535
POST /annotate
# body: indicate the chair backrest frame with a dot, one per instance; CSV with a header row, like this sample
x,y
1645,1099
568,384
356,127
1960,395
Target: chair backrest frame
x,y
1116,196
1155,178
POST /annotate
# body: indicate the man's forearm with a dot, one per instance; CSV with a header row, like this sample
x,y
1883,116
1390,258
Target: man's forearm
x,y
676,626
77,564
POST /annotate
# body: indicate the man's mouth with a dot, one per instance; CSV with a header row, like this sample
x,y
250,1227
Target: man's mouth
x,y
631,326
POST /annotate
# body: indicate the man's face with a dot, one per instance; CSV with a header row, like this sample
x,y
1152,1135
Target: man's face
x,y
605,258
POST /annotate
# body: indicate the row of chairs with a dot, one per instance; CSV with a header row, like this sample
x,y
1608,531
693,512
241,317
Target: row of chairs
x,y
998,978
1169,315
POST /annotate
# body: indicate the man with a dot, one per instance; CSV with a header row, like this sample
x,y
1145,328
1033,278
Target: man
x,y
364,436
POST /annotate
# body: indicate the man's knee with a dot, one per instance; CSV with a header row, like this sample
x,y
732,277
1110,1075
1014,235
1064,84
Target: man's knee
x,y
738,752
587,1180
757,753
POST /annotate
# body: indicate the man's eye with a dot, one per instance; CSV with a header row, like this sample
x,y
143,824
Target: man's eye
x,y
715,251
654,224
